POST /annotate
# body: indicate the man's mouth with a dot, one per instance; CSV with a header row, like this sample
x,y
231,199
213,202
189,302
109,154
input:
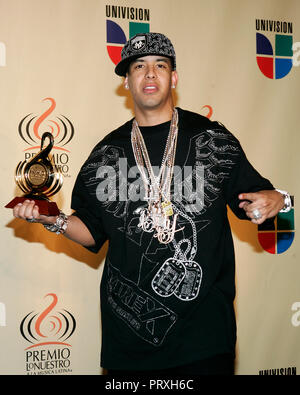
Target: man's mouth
x,y
150,89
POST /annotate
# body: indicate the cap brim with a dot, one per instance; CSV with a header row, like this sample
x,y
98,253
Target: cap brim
x,y
122,67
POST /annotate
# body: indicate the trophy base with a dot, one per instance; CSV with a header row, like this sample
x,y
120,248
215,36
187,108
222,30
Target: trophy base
x,y
45,206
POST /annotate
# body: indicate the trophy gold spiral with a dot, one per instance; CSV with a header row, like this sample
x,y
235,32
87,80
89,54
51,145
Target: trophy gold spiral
x,y
39,179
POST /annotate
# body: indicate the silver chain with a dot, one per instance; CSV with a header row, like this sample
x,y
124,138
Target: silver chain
x,y
161,184
158,189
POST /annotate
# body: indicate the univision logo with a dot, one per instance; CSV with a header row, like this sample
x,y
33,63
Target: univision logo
x,y
115,34
275,54
116,38
277,237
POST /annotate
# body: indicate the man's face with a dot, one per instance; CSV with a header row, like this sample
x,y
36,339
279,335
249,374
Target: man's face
x,y
150,79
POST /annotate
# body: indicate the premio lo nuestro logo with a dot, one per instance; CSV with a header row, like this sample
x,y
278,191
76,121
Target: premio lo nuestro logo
x,y
275,48
48,333
277,237
32,126
137,21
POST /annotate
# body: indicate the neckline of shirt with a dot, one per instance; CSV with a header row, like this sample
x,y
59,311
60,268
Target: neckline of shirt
x,y
155,129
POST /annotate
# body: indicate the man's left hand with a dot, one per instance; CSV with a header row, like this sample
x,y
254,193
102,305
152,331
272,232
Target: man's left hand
x,y
267,203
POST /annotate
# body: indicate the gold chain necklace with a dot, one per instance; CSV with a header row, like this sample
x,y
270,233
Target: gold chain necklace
x,y
157,216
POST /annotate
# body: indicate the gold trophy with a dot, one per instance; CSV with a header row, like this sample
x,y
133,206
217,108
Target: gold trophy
x,y
39,180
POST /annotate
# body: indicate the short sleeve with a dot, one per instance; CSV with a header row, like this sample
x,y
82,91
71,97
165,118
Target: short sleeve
x,y
245,178
88,212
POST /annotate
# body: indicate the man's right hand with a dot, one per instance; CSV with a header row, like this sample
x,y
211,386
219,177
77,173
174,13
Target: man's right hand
x,y
28,210
76,229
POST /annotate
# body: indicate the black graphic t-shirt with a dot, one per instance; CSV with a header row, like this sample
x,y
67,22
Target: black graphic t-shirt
x,y
166,305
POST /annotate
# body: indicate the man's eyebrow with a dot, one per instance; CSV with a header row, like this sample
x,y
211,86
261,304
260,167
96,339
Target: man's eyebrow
x,y
144,60
163,60
137,60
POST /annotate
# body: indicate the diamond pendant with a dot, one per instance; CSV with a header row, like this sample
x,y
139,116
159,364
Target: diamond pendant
x,y
156,218
146,221
167,208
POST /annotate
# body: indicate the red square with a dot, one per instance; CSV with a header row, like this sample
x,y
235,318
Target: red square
x,y
268,241
266,66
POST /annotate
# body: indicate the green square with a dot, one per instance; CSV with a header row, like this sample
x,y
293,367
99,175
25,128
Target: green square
x,y
285,221
137,27
283,45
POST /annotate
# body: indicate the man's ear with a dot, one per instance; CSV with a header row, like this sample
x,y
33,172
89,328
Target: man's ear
x,y
126,82
174,79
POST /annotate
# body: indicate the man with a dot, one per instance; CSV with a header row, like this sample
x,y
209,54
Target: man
x,y
157,188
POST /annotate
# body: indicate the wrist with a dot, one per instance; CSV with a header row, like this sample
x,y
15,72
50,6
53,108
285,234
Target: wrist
x,y
287,203
59,224
49,220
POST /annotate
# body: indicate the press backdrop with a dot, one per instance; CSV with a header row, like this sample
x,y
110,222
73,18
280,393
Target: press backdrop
x,y
237,63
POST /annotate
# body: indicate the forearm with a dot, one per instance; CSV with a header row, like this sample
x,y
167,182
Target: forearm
x,y
71,227
78,232
74,230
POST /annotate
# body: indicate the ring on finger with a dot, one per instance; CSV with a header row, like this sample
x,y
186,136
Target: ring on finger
x,y
30,220
256,214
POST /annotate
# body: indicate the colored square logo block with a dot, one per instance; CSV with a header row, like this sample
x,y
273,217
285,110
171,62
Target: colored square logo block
x,y
137,27
266,66
282,67
285,221
263,45
268,224
268,241
283,45
284,241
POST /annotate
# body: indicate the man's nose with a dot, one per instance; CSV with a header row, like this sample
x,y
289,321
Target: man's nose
x,y
150,72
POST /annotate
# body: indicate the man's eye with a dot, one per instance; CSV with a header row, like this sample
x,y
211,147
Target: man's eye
x,y
139,66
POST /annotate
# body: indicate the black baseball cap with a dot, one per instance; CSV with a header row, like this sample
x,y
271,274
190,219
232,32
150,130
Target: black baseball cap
x,y
144,44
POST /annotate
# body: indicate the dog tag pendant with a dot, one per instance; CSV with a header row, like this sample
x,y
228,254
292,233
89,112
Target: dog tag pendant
x,y
168,277
189,287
